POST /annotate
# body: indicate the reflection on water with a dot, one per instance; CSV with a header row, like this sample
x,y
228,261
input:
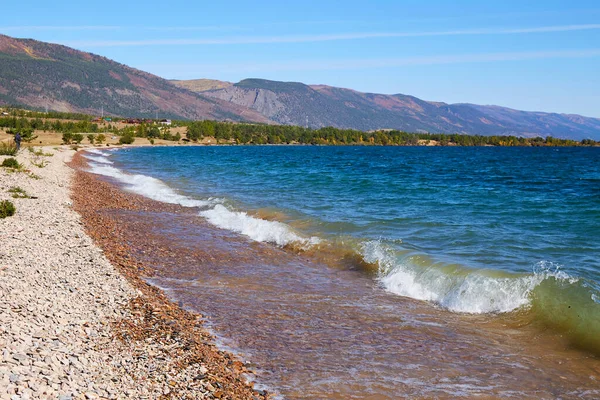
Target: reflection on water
x,y
317,331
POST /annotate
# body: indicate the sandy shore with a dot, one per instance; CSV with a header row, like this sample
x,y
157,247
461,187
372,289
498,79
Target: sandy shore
x,y
76,320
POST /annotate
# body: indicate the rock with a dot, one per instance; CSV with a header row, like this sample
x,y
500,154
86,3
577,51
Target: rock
x,y
21,358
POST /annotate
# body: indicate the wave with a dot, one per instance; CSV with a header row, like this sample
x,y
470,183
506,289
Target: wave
x,y
453,287
149,187
97,156
257,229
94,151
218,215
551,296
98,159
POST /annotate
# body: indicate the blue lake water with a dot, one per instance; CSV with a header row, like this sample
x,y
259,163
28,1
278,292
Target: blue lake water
x,y
484,231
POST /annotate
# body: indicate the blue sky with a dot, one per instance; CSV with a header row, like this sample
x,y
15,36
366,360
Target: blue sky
x,y
529,55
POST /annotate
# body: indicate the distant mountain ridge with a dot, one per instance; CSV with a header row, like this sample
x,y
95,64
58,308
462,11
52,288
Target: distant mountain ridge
x,y
320,105
43,75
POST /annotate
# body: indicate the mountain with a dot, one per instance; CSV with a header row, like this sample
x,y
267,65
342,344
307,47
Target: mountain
x,y
319,105
42,75
201,85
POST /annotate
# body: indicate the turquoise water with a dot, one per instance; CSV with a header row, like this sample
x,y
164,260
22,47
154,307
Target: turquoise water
x,y
472,230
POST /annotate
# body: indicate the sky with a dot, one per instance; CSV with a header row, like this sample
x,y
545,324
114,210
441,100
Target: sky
x,y
528,55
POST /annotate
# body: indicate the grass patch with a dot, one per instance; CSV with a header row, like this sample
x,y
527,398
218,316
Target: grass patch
x,y
39,162
18,193
11,163
7,209
39,152
8,149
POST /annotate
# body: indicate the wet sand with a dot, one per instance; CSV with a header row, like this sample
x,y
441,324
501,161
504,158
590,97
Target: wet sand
x,y
325,331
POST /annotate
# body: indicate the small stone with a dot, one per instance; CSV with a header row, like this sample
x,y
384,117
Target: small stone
x,y
21,358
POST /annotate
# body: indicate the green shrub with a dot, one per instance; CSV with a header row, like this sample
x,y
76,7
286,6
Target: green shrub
x,y
91,138
126,139
67,138
7,209
11,163
8,149
151,141
78,138
100,138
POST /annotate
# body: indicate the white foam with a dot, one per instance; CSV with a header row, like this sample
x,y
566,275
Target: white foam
x,y
98,156
94,151
147,186
98,159
257,229
469,292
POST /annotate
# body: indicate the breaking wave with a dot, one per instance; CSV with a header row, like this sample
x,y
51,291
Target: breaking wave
x,y
257,229
453,287
98,159
217,214
147,186
552,297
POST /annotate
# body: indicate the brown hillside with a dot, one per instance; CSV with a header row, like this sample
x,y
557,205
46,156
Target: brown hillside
x,y
43,75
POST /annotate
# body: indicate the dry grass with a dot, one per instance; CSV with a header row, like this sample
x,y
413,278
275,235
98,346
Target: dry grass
x,y
55,139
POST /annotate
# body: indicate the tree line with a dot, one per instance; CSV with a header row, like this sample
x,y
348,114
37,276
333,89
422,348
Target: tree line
x,y
26,122
241,133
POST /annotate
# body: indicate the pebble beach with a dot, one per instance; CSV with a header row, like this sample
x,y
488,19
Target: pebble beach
x,y
77,319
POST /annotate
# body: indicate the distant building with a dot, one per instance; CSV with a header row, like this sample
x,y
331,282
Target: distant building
x,y
165,121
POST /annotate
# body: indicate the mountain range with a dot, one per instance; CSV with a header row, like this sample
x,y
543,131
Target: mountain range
x,y
41,75
320,105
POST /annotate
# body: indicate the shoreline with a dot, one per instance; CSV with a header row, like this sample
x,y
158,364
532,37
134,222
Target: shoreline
x,y
78,319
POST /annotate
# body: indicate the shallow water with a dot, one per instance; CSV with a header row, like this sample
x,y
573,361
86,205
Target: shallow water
x,y
329,332
312,262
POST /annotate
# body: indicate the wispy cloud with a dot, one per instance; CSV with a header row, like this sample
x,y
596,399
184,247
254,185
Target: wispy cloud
x,y
157,28
58,28
327,37
357,64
